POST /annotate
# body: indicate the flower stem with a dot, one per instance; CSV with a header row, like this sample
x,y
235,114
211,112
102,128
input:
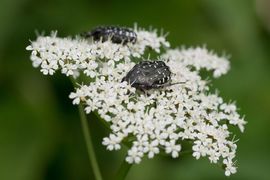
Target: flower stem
x,y
123,170
89,144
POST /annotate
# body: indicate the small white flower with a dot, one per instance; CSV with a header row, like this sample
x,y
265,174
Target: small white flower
x,y
134,156
48,68
151,148
79,95
229,169
172,148
69,69
113,142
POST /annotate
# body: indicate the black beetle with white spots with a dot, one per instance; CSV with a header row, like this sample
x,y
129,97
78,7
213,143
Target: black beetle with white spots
x,y
114,33
148,75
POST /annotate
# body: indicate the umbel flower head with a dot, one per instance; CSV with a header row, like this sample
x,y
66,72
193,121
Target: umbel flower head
x,y
155,121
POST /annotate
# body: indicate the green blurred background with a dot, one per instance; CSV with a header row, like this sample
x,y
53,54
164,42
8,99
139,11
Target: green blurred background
x,y
40,134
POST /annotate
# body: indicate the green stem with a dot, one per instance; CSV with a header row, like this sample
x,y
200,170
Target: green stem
x,y
123,170
89,144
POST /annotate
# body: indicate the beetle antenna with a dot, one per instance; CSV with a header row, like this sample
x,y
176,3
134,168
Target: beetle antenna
x,y
171,84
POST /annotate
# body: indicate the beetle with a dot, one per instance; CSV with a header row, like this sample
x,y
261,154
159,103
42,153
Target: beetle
x,y
116,34
149,75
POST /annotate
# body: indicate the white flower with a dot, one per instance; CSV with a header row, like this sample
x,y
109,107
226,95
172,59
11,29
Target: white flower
x,y
230,169
48,68
90,68
159,119
151,148
113,142
134,155
69,69
79,95
172,148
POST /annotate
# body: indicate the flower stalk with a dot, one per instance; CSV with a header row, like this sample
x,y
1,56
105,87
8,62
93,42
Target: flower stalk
x,y
123,170
89,144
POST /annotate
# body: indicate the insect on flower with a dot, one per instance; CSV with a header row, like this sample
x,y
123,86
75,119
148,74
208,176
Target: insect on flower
x,y
117,34
149,75
159,120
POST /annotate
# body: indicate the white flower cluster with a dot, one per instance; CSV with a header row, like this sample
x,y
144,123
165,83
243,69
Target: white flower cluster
x,y
157,120
71,55
200,58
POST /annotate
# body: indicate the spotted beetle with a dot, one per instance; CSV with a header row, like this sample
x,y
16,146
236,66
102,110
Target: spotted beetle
x,y
149,75
117,34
